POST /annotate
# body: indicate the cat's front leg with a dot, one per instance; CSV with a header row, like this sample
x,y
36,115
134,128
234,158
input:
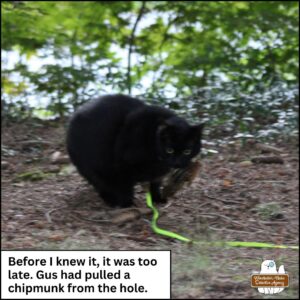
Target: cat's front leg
x,y
156,192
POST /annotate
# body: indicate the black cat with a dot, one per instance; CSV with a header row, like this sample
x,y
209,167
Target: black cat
x,y
116,141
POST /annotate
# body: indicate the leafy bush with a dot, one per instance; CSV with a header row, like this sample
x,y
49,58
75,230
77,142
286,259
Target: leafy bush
x,y
232,64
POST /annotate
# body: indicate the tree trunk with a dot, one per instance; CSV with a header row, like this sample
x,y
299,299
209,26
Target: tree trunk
x,y
131,43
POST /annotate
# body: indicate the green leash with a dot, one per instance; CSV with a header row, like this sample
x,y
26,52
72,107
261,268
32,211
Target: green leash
x,y
174,235
158,230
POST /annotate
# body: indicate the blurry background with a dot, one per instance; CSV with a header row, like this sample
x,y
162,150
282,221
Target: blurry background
x,y
233,64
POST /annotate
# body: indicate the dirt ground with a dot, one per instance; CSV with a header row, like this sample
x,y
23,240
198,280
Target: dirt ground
x,y
48,205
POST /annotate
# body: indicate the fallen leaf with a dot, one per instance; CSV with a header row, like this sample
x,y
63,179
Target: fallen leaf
x,y
67,170
246,163
227,183
125,217
58,158
56,237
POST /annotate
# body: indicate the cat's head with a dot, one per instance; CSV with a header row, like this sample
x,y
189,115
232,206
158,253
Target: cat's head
x,y
178,142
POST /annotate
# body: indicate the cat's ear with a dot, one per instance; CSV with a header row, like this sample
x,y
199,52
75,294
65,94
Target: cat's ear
x,y
163,131
197,130
165,126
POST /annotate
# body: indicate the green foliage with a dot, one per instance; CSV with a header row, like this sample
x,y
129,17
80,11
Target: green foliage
x,y
234,63
230,109
33,175
268,211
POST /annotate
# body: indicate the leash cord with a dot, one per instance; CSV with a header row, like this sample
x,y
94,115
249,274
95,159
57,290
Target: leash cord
x,y
174,235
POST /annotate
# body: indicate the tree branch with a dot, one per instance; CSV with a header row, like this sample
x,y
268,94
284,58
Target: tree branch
x,y
131,43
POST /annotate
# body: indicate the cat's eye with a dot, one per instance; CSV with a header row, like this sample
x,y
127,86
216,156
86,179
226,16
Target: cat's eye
x,y
170,150
187,152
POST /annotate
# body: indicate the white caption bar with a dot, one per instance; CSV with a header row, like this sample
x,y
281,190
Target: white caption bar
x,y
85,274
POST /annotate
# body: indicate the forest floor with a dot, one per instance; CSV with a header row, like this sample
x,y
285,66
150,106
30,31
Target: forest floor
x,y
47,205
